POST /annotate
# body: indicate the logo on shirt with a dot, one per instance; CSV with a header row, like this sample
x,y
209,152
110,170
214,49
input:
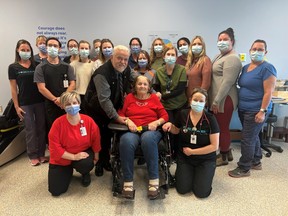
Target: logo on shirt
x,y
140,104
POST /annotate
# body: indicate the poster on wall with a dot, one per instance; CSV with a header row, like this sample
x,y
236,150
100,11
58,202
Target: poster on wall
x,y
59,32
169,37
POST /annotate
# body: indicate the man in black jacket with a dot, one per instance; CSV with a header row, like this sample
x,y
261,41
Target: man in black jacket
x,y
105,95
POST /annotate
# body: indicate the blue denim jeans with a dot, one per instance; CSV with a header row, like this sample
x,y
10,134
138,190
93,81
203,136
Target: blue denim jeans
x,y
149,144
251,152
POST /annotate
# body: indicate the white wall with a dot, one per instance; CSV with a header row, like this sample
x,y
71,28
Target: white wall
x,y
121,20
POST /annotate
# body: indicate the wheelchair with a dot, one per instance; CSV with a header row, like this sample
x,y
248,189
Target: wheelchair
x,y
11,135
166,180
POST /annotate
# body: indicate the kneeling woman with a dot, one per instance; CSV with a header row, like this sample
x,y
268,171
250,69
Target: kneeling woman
x,y
74,142
141,108
199,139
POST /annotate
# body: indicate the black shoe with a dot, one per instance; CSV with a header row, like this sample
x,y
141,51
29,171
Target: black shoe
x,y
98,170
107,166
86,180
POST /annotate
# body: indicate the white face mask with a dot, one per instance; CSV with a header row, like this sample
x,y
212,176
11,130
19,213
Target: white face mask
x,y
197,49
197,106
184,49
84,53
223,46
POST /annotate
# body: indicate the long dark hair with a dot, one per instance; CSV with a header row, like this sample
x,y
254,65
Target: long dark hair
x,y
17,56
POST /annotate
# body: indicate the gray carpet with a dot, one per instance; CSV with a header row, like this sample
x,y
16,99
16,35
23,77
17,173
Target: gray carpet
x,y
23,191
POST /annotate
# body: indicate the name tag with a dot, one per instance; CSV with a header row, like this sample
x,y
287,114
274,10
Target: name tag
x,y
65,83
83,131
193,139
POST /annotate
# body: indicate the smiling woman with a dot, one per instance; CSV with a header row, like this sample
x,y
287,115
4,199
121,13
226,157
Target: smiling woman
x,y
141,108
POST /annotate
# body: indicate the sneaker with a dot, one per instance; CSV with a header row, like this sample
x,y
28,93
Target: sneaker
x,y
221,160
86,180
44,159
257,166
238,173
35,162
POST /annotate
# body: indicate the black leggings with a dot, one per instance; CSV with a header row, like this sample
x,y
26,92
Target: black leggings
x,y
196,177
59,177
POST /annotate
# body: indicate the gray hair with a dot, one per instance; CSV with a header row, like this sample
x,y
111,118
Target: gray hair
x,y
121,48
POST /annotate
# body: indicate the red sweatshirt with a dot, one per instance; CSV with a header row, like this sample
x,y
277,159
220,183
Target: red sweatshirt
x,y
143,112
66,137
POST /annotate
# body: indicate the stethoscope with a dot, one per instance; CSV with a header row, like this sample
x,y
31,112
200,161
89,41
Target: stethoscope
x,y
194,129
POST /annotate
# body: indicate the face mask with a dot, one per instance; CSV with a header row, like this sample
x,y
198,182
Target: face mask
x,y
52,52
25,55
257,56
97,50
135,49
170,60
108,52
197,106
196,49
158,48
223,46
183,49
42,48
84,53
142,63
73,51
73,109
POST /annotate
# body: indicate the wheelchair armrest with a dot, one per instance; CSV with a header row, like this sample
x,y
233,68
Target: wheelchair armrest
x,y
117,127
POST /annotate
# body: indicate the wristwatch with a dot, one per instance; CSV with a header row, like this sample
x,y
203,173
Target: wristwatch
x,y
263,110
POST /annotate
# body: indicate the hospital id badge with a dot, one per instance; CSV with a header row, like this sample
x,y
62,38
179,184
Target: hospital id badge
x,y
83,131
193,139
65,83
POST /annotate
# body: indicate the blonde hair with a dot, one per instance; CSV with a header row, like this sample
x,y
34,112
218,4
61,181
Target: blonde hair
x,y
67,97
191,57
40,37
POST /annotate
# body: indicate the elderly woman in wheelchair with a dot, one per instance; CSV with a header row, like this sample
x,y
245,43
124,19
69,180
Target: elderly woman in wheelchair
x,y
142,110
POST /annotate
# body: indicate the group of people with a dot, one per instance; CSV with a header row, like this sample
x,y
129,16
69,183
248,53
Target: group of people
x,y
189,96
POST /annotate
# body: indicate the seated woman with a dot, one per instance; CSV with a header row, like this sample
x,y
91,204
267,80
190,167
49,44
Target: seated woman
x,y
199,139
74,142
141,108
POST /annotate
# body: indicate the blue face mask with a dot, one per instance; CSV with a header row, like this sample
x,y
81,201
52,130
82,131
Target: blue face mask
x,y
73,51
142,63
223,46
52,52
84,53
24,55
197,106
42,48
158,48
257,56
183,49
107,52
73,109
135,49
170,60
197,49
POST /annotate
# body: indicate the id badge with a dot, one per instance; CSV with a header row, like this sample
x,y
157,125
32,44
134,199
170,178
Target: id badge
x,y
65,83
168,92
83,131
193,139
